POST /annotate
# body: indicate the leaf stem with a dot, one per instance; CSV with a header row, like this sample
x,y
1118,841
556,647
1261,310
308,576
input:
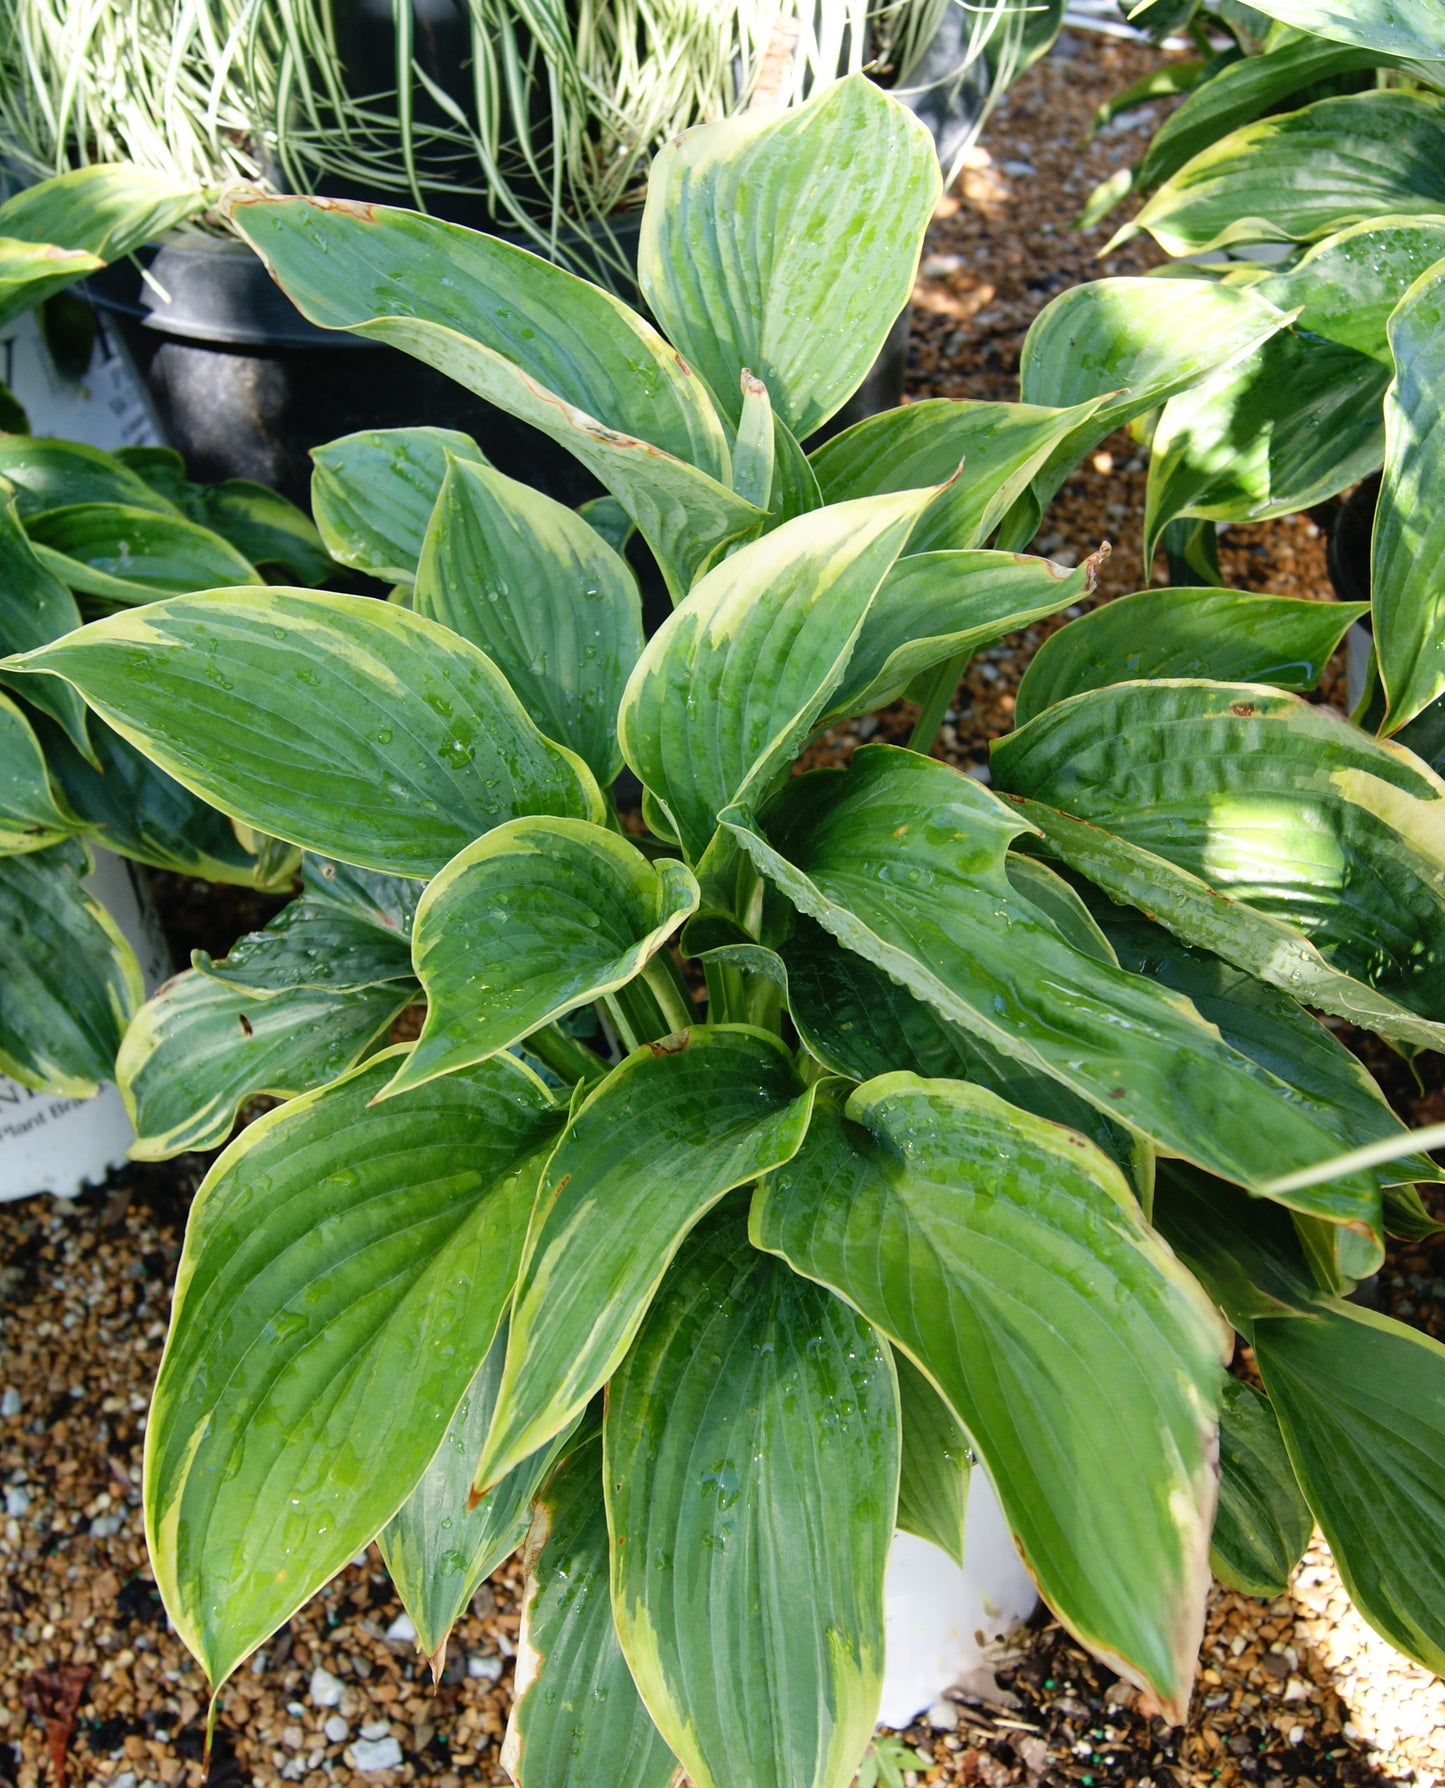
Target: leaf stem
x,y
672,993
565,1056
937,696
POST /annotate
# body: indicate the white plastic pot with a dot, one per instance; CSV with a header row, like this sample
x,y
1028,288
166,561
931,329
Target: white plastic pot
x,y
49,1143
940,1620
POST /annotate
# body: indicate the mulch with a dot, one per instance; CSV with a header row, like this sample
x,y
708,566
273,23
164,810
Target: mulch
x,y
1297,1693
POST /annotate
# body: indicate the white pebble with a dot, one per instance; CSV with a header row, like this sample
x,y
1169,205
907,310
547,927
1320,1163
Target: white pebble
x,y
942,1716
402,1629
1295,1690
382,1753
10,1406
336,1729
326,1689
1019,170
104,1527
481,1666
17,1502
126,1779
940,266
375,1729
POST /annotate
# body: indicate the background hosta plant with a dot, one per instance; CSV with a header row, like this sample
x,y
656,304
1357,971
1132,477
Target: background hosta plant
x,y
83,531
1004,1110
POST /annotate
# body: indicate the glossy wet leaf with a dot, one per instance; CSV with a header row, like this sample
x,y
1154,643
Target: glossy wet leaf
x,y
1263,1523
1134,343
1278,804
50,475
1407,582
35,608
577,1716
344,1272
1230,635
1346,287
935,606
30,818
1404,27
350,727
1293,422
935,1463
1303,174
860,1022
1246,1253
536,341
656,1145
902,859
262,525
92,215
751,1466
198,1049
730,685
749,220
994,448
1361,1402
110,548
133,808
437,1549
373,494
1008,1259
542,594
69,988
533,920
348,929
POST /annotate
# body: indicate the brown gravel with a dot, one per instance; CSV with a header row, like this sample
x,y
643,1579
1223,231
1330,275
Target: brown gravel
x,y
1292,1694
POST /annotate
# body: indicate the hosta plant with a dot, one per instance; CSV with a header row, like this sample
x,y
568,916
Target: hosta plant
x,y
1325,148
766,1164
85,530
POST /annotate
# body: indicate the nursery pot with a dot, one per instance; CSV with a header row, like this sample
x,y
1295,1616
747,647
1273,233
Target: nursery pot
x,y
940,1620
1349,564
51,1143
245,387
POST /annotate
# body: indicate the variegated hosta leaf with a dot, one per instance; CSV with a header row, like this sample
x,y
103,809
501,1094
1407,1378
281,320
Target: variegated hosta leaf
x,y
1231,635
350,727
860,1022
30,819
935,1463
130,555
1246,1253
1239,94
50,475
530,922
751,1456
1293,422
903,860
1404,27
984,453
1007,1258
262,525
730,685
935,606
1407,575
544,596
345,1269
654,1146
577,1716
373,494
35,608
1279,805
538,342
1361,1402
69,981
198,1049
1301,175
1263,1523
1346,287
438,1548
90,216
1135,343
349,929
786,242
132,808
1273,1030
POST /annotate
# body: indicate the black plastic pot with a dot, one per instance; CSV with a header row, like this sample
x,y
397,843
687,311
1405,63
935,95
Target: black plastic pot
x,y
245,387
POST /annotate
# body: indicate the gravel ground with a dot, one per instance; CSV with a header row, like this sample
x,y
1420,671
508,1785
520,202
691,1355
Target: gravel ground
x,y
1291,1694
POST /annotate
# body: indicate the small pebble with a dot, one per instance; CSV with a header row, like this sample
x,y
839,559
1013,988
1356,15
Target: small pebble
x,y
326,1689
402,1630
336,1729
368,1755
374,1729
17,1502
10,1406
942,1716
483,1667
